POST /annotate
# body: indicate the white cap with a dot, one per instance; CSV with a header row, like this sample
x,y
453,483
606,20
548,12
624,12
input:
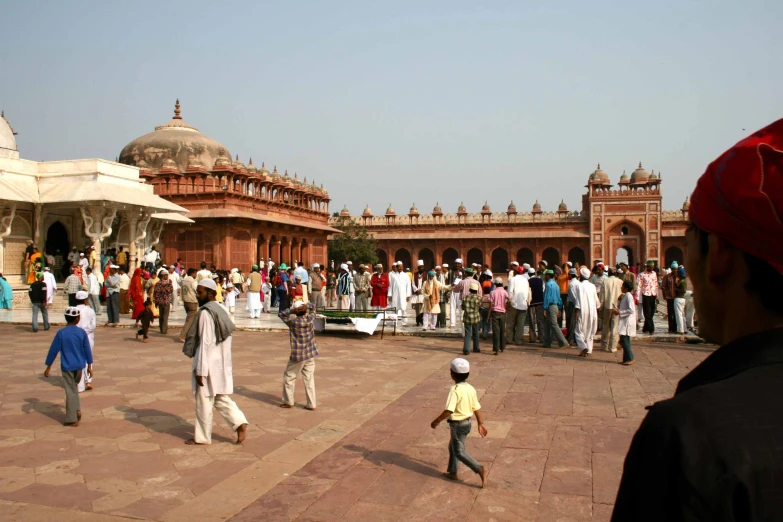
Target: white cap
x,y
460,365
515,263
81,295
208,283
316,265
163,271
46,269
113,266
420,262
298,304
81,255
531,271
569,263
72,311
543,262
343,266
526,266
458,260
164,266
585,272
498,281
445,265
214,276
437,266
349,262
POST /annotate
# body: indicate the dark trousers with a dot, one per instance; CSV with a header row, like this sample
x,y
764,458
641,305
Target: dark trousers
x,y
648,305
671,314
72,300
113,308
282,299
163,318
442,315
498,331
72,403
625,342
515,325
570,313
44,313
484,313
457,451
145,327
471,333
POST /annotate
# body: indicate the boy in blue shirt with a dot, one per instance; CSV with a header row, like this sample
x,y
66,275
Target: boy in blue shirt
x,y
73,346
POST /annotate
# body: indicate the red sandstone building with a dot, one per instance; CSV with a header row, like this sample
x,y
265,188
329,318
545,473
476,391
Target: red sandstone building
x,y
613,223
242,214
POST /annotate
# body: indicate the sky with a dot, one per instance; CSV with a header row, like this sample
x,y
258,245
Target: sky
x,y
404,102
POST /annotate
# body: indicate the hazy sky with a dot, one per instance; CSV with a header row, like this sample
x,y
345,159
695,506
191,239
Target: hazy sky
x,y
402,102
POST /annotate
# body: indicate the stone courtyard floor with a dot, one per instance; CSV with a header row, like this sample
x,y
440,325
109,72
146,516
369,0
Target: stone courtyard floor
x,y
559,428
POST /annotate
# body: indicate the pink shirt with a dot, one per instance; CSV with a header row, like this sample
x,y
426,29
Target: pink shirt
x,y
647,284
498,298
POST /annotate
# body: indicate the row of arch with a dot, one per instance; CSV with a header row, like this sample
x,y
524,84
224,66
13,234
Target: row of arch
x,y
499,257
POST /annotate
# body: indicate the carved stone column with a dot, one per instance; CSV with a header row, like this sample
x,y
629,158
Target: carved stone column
x,y
5,230
137,230
38,221
98,221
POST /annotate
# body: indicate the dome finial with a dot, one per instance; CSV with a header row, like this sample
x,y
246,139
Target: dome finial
x,y
177,111
640,164
599,166
237,158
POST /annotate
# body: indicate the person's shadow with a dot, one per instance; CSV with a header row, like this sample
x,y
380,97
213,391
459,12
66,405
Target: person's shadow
x,y
266,398
53,411
169,424
394,458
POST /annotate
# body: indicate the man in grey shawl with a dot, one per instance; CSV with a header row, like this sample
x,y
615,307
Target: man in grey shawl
x,y
208,341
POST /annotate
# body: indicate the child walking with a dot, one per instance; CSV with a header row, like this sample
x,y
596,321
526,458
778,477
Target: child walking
x,y
73,346
461,404
303,353
146,317
627,324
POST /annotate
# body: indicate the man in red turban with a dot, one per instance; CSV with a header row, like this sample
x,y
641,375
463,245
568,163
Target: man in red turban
x,y
715,450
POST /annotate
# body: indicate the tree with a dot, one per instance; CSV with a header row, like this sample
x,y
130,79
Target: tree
x,y
354,244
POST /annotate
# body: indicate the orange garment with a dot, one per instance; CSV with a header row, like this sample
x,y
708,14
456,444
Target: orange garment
x,y
562,282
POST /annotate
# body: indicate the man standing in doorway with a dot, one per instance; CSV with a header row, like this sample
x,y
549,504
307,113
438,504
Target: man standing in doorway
x,y
647,295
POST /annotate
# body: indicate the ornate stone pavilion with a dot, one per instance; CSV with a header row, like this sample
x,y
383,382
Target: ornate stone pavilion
x,y
242,213
626,222
58,205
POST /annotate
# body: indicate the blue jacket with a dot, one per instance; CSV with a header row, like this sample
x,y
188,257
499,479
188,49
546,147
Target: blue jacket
x,y
74,348
552,294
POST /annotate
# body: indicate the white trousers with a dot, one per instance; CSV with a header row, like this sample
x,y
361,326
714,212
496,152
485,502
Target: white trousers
x,y
454,308
690,310
430,321
583,336
679,313
343,302
224,405
267,301
307,368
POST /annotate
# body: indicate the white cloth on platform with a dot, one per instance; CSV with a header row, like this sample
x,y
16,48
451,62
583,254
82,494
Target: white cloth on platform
x,y
586,316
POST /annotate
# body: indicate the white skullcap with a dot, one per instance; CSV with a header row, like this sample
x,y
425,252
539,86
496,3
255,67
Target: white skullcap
x,y
113,266
498,281
543,262
460,365
72,311
316,265
350,262
458,260
298,304
526,266
81,295
208,283
46,269
437,266
164,266
81,254
514,263
445,265
420,262
343,266
531,271
585,272
163,271
569,263
214,276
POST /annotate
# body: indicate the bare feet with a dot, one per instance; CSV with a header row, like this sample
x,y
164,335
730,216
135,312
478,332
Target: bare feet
x,y
192,442
241,433
88,387
284,405
181,340
145,340
78,415
311,408
483,474
450,476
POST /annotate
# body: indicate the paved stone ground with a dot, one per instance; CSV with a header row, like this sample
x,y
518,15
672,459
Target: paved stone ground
x,y
559,427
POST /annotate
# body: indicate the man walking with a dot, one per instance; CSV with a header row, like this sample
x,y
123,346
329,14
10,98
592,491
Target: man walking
x,y
94,290
213,383
189,300
112,285
669,290
586,314
609,295
516,313
647,295
535,317
552,308
164,292
344,285
51,285
38,300
254,282
362,285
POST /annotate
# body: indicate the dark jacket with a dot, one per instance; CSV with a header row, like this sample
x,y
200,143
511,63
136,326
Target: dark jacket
x,y
715,450
536,290
37,292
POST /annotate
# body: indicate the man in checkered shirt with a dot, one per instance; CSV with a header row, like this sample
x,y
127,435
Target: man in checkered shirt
x,y
300,318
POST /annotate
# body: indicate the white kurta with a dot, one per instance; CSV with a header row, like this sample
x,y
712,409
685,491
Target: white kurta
x,y
586,316
212,361
175,291
627,322
87,322
417,286
51,286
399,291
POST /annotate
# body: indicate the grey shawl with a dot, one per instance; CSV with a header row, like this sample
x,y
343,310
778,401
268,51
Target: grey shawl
x,y
223,327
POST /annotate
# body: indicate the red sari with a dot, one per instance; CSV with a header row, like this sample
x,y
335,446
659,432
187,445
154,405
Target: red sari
x,y
136,292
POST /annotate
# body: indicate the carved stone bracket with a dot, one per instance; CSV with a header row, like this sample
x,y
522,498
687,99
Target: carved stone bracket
x,y
157,230
98,221
6,221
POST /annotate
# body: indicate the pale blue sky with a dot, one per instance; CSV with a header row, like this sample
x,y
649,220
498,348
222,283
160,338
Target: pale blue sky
x,y
404,101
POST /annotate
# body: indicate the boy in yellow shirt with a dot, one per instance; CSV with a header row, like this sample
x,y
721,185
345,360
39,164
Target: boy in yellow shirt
x,y
461,404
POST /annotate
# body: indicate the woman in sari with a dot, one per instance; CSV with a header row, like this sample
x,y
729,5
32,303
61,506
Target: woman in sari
x,y
153,280
136,292
6,294
36,265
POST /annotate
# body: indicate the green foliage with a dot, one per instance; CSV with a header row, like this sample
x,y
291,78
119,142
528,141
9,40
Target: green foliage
x,y
354,244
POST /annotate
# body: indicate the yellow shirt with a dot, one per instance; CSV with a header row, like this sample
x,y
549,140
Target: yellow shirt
x,y
462,401
219,293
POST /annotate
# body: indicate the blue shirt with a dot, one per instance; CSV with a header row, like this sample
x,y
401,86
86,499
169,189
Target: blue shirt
x,y
283,281
552,294
74,348
302,273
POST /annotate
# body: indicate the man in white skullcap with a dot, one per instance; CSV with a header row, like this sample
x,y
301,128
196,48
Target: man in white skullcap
x,y
417,297
444,278
400,291
87,323
586,313
512,269
526,271
209,340
51,285
344,285
455,304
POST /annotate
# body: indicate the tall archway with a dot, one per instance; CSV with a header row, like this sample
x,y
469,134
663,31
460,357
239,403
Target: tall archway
x,y
551,256
525,255
428,256
475,255
626,239
500,260
577,256
404,256
449,255
57,239
674,254
383,258
624,254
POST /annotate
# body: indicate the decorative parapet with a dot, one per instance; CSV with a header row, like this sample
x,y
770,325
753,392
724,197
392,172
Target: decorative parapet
x,y
674,216
627,192
497,218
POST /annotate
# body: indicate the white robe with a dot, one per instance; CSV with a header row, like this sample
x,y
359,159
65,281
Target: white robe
x,y
175,291
586,315
627,322
212,361
399,291
87,322
51,286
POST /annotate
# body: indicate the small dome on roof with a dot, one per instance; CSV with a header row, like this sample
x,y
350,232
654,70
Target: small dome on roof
x,y
263,169
512,208
193,163
222,161
287,179
367,212
536,206
562,207
250,167
324,191
653,176
640,175
624,178
238,165
276,175
169,165
437,210
687,204
485,209
599,175
413,211
345,212
296,179
390,211
462,209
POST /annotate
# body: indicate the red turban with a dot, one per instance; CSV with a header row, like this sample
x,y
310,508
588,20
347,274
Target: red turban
x,y
740,196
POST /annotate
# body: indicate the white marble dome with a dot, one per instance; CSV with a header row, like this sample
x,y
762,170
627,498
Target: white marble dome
x,y
7,140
